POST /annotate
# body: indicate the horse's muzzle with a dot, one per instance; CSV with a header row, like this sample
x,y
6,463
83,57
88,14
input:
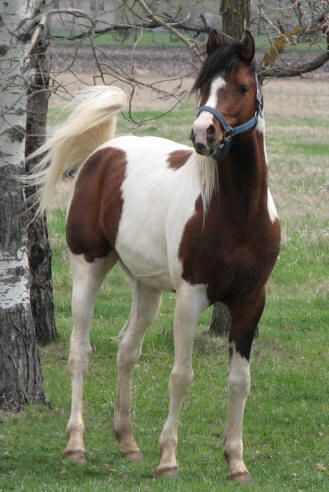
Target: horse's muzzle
x,y
203,138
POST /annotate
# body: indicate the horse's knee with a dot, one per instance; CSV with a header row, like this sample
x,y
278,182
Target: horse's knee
x,y
78,355
181,379
128,354
239,383
239,375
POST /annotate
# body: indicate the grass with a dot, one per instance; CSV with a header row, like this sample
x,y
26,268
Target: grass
x,y
149,38
286,421
145,39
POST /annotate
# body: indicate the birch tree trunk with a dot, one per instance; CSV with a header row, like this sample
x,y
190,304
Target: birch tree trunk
x,y
39,252
20,372
235,14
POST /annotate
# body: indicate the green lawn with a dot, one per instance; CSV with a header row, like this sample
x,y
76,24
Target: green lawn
x,y
117,38
150,38
286,422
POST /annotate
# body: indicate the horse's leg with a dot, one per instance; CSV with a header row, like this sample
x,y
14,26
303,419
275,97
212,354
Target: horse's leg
x,y
244,323
191,301
145,306
87,279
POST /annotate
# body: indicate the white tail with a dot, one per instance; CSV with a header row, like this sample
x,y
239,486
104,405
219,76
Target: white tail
x,y
91,123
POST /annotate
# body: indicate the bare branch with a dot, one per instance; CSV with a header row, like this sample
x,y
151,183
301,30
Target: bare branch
x,y
190,44
296,70
34,40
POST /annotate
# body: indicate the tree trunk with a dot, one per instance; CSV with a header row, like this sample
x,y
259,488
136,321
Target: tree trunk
x,y
236,16
20,372
221,320
39,249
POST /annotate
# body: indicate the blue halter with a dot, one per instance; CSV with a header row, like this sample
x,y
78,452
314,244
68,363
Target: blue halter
x,y
229,131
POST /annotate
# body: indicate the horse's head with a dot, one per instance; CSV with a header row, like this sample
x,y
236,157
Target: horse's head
x,y
229,95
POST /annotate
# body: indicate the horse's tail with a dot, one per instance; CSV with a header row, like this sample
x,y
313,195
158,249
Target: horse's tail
x,y
91,123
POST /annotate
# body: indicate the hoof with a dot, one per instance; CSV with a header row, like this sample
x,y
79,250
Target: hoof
x,y
77,456
170,472
132,455
242,477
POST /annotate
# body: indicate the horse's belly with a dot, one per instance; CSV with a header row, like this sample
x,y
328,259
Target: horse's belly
x,y
145,259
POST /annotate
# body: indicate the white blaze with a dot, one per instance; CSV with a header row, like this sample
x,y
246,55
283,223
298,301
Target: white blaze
x,y
216,84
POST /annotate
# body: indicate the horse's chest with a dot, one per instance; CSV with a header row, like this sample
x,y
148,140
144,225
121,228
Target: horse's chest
x,y
231,264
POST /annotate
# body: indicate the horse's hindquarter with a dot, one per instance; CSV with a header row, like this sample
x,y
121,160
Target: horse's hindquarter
x,y
157,200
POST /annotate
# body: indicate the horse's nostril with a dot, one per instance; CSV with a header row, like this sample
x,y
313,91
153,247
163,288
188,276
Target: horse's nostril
x,y
192,137
200,148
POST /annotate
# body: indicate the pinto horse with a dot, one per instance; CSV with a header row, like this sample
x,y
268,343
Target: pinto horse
x,y
197,221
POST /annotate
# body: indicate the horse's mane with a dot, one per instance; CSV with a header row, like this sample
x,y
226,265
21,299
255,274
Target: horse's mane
x,y
224,59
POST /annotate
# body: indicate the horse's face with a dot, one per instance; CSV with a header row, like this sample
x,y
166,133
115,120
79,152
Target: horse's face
x,y
232,92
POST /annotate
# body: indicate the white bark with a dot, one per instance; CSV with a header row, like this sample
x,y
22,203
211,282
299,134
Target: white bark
x,y
20,375
14,271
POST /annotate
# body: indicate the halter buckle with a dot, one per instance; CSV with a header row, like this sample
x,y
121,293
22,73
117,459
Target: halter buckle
x,y
228,134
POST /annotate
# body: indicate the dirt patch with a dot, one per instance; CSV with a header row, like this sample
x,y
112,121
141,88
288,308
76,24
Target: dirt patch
x,y
287,98
296,98
144,98
168,60
76,69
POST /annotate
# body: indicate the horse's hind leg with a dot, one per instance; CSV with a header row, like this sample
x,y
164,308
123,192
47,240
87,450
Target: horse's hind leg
x,y
87,279
145,306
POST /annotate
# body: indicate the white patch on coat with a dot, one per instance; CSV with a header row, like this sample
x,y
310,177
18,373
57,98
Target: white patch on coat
x,y
191,301
239,386
157,203
216,84
239,378
212,100
260,127
273,214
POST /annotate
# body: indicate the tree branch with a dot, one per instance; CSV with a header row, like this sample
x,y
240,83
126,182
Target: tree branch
x,y
34,40
190,44
295,71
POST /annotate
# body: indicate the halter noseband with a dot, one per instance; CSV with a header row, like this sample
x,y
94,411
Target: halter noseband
x,y
229,131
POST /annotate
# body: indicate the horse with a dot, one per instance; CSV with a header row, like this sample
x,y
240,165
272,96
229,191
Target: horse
x,y
197,220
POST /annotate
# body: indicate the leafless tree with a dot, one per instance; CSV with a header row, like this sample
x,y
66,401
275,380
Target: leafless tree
x,y
282,23
20,372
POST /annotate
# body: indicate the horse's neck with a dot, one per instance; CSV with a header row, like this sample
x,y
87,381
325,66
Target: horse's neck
x,y
243,177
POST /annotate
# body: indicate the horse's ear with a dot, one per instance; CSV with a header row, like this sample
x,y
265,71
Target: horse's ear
x,y
214,42
248,47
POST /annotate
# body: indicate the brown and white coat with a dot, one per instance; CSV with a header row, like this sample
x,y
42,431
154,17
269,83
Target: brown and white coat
x,y
176,220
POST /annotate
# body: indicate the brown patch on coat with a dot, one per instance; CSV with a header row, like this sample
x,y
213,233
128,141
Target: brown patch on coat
x,y
96,207
178,158
234,247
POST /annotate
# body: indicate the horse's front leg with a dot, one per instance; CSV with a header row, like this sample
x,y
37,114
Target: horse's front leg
x,y
191,301
244,323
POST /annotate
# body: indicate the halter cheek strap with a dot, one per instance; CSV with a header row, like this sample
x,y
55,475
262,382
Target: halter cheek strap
x,y
229,131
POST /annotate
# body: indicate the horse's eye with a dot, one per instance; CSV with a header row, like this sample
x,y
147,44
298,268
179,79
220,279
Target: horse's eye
x,y
243,89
